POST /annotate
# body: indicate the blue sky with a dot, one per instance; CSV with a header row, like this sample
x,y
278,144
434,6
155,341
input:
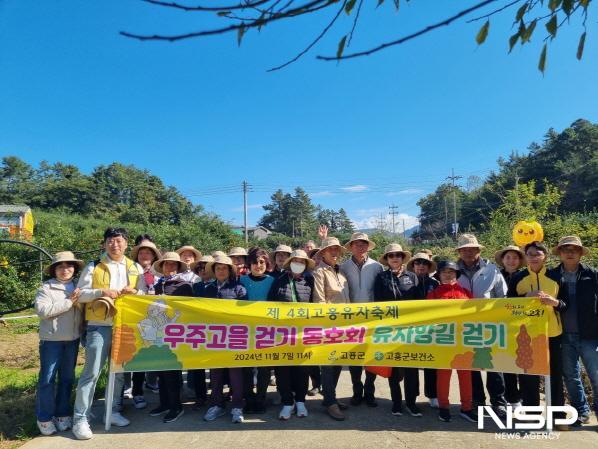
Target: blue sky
x,y
204,114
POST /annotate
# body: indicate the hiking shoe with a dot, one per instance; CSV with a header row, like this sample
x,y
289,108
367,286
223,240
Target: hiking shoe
x,y
139,402
301,410
434,403
173,415
159,411
444,415
397,409
314,391
285,412
118,420
237,415
469,415
335,412
64,423
81,430
342,405
584,418
413,410
213,412
500,411
46,428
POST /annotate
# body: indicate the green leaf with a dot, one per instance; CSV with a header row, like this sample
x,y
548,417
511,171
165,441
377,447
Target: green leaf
x,y
542,62
512,41
483,33
582,41
349,6
528,32
567,6
397,4
551,25
240,34
584,3
379,3
223,13
341,47
521,12
554,4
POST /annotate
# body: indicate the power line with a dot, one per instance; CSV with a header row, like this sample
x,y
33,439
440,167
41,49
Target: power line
x,y
393,212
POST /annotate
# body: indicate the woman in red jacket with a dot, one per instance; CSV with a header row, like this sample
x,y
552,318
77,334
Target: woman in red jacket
x,y
449,288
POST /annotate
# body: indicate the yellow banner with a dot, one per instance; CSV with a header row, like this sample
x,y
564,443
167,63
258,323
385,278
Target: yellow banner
x,y
178,333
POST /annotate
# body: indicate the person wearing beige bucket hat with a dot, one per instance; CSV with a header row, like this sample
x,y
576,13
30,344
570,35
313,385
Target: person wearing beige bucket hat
x,y
189,254
145,254
113,276
361,271
238,255
59,332
579,289
278,258
331,287
510,259
484,280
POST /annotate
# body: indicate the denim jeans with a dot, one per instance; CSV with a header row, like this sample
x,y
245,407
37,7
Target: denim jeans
x,y
97,351
573,348
56,358
330,375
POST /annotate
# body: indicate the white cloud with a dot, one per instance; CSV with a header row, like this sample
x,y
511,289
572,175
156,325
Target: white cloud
x,y
355,188
323,193
249,206
364,220
405,192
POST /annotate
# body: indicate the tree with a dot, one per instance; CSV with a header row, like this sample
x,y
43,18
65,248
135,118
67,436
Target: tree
x,y
247,15
292,215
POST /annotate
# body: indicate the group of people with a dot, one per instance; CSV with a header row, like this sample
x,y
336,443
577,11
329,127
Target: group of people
x,y
75,304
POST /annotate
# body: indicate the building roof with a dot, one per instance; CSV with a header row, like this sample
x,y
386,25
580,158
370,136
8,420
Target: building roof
x,y
9,208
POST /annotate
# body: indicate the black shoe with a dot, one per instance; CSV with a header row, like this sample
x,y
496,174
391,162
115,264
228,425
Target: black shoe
x,y
342,405
314,391
444,415
500,411
173,415
159,411
397,410
413,410
371,402
469,415
356,400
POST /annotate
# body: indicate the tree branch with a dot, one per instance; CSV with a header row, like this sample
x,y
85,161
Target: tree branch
x,y
410,36
354,23
247,4
496,11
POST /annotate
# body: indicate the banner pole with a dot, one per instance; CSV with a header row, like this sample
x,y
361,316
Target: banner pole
x,y
547,397
108,399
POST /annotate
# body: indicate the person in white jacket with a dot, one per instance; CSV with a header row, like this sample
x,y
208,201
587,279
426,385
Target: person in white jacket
x,y
59,333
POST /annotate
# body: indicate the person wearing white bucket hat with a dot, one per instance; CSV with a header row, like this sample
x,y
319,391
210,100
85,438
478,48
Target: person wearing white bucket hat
x,y
189,255
59,333
579,289
361,271
278,258
484,280
238,255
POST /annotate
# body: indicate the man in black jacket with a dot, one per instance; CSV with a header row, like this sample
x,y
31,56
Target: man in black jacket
x,y
578,287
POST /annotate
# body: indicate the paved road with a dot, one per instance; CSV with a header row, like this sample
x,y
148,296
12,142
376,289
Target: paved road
x,y
364,428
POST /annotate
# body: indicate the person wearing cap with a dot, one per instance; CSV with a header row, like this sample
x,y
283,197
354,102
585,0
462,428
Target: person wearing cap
x,y
145,253
189,254
396,284
59,333
360,271
448,273
484,280
278,258
510,259
330,287
239,258
422,265
257,283
579,289
293,286
171,283
225,286
533,281
101,283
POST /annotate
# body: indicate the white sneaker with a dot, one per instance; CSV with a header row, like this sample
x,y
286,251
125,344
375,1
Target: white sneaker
x,y
434,403
237,415
139,402
81,430
213,412
515,405
128,393
285,412
64,423
46,428
301,410
119,420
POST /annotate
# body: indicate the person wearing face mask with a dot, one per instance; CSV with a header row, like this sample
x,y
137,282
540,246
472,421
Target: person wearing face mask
x,y
396,284
56,303
171,283
422,265
257,283
331,287
278,257
293,286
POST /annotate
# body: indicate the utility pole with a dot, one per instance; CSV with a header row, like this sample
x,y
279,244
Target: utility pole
x,y
393,212
245,190
381,222
453,178
404,234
